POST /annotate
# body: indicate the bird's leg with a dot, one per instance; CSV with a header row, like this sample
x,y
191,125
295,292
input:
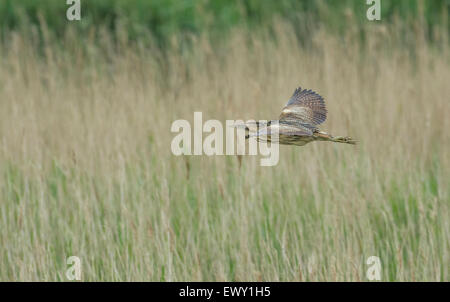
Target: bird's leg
x,y
344,139
323,136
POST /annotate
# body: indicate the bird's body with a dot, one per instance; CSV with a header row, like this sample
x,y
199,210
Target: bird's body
x,y
297,124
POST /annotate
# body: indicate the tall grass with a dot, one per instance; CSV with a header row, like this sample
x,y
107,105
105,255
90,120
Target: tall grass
x,y
161,19
86,167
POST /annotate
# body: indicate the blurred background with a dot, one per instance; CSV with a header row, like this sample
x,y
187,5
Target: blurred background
x,y
160,20
86,167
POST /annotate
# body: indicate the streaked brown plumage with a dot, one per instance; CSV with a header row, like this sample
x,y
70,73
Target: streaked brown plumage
x,y
298,121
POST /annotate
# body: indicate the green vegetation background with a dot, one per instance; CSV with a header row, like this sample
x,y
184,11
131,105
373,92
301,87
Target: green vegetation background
x,y
158,20
85,157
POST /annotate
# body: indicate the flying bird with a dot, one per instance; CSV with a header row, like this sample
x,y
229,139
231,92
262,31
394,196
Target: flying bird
x,y
297,124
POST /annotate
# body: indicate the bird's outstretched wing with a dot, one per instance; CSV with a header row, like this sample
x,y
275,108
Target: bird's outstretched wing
x,y
305,108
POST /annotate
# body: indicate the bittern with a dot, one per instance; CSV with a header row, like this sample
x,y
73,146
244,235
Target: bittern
x,y
297,124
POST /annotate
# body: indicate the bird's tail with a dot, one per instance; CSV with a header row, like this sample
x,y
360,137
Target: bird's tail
x,y
322,136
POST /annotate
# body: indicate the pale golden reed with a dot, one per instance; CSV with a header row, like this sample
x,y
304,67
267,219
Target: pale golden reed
x,y
87,169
